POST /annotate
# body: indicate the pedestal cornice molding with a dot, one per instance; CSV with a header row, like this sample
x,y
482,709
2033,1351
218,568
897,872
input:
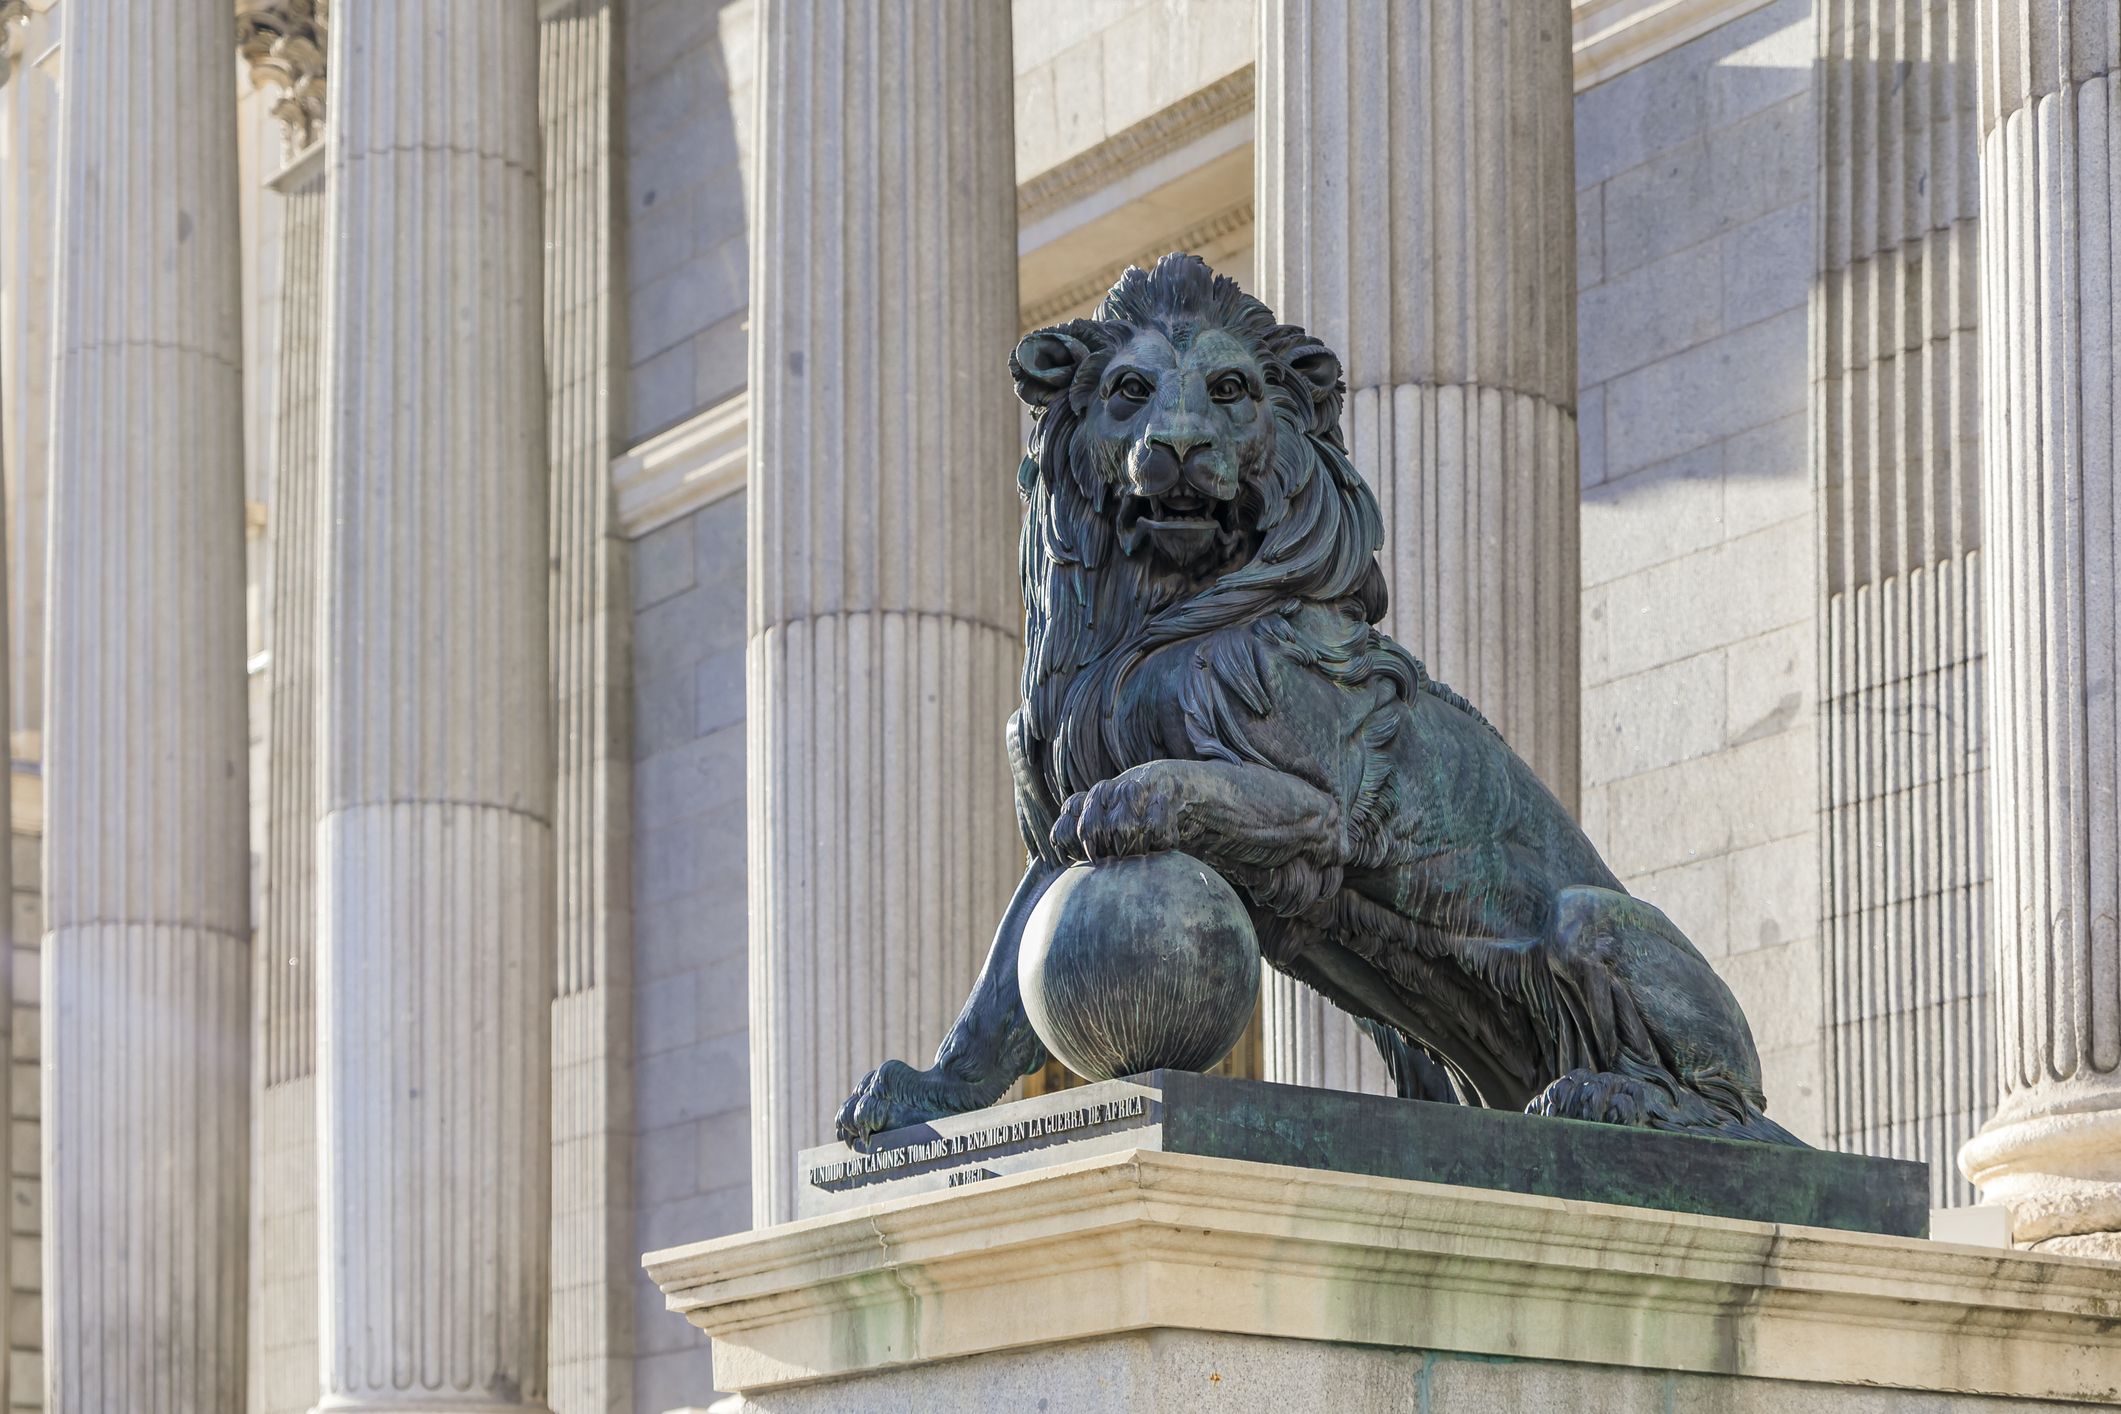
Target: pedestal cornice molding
x,y
1146,1240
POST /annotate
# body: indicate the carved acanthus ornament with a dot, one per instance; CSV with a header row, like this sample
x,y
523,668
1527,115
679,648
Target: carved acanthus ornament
x,y
284,42
13,15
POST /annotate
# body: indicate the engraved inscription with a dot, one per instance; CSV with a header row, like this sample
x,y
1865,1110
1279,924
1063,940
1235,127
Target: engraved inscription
x,y
857,1167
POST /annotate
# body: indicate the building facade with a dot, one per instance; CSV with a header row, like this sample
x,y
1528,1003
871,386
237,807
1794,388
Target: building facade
x,y
613,403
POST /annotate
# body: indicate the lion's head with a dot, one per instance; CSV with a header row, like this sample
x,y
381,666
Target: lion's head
x,y
1186,472
1172,400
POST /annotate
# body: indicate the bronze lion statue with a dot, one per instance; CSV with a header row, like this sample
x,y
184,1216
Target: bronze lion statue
x,y
1204,672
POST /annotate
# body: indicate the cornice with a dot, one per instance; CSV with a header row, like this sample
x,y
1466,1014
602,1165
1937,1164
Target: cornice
x,y
300,168
1225,222
1613,36
26,796
1164,131
695,463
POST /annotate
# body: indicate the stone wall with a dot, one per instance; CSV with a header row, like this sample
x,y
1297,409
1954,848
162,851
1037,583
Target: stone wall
x,y
1087,73
686,290
29,126
692,1162
25,1219
688,77
1695,177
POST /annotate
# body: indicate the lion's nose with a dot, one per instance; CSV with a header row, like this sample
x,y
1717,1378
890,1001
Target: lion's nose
x,y
1156,470
1181,443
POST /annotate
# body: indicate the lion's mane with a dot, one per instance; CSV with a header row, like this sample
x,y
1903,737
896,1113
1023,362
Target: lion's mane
x,y
1093,613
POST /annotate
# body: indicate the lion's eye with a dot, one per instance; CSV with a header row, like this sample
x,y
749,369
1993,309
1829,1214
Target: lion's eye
x,y
1228,388
1133,387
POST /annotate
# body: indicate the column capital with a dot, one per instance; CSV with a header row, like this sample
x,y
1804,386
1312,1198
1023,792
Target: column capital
x,y
14,14
284,42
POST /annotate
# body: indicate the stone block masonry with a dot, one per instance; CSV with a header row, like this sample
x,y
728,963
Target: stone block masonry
x,y
1700,741
691,1052
685,114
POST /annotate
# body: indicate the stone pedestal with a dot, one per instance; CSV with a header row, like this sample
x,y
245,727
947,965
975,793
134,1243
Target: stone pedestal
x,y
1417,213
1296,1126
2050,162
1140,1280
434,844
146,972
885,630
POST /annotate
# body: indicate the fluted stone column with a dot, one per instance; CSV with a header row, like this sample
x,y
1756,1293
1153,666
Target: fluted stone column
x,y
2051,251
285,1354
283,42
1417,211
147,951
885,630
595,1256
1896,414
434,846
29,130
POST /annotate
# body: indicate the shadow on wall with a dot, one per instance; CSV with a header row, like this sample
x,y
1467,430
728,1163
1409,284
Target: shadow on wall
x,y
1696,250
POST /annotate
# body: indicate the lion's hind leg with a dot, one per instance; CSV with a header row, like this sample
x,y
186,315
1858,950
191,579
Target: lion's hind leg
x,y
1646,1033
1649,1097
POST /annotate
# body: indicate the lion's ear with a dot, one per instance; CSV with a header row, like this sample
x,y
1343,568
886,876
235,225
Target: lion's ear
x,y
1062,359
1319,367
1044,364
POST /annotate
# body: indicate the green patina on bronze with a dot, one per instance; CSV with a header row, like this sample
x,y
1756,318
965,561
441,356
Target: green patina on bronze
x,y
1205,672
1555,1158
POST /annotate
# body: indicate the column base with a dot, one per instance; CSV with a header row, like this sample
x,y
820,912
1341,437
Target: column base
x,y
2058,1174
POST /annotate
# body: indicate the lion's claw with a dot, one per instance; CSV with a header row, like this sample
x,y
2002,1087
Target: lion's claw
x,y
892,1096
1138,812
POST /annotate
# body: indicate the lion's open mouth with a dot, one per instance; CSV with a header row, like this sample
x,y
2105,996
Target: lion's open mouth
x,y
1182,523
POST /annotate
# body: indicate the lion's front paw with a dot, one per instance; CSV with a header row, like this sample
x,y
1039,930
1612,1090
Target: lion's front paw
x,y
1137,812
892,1096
